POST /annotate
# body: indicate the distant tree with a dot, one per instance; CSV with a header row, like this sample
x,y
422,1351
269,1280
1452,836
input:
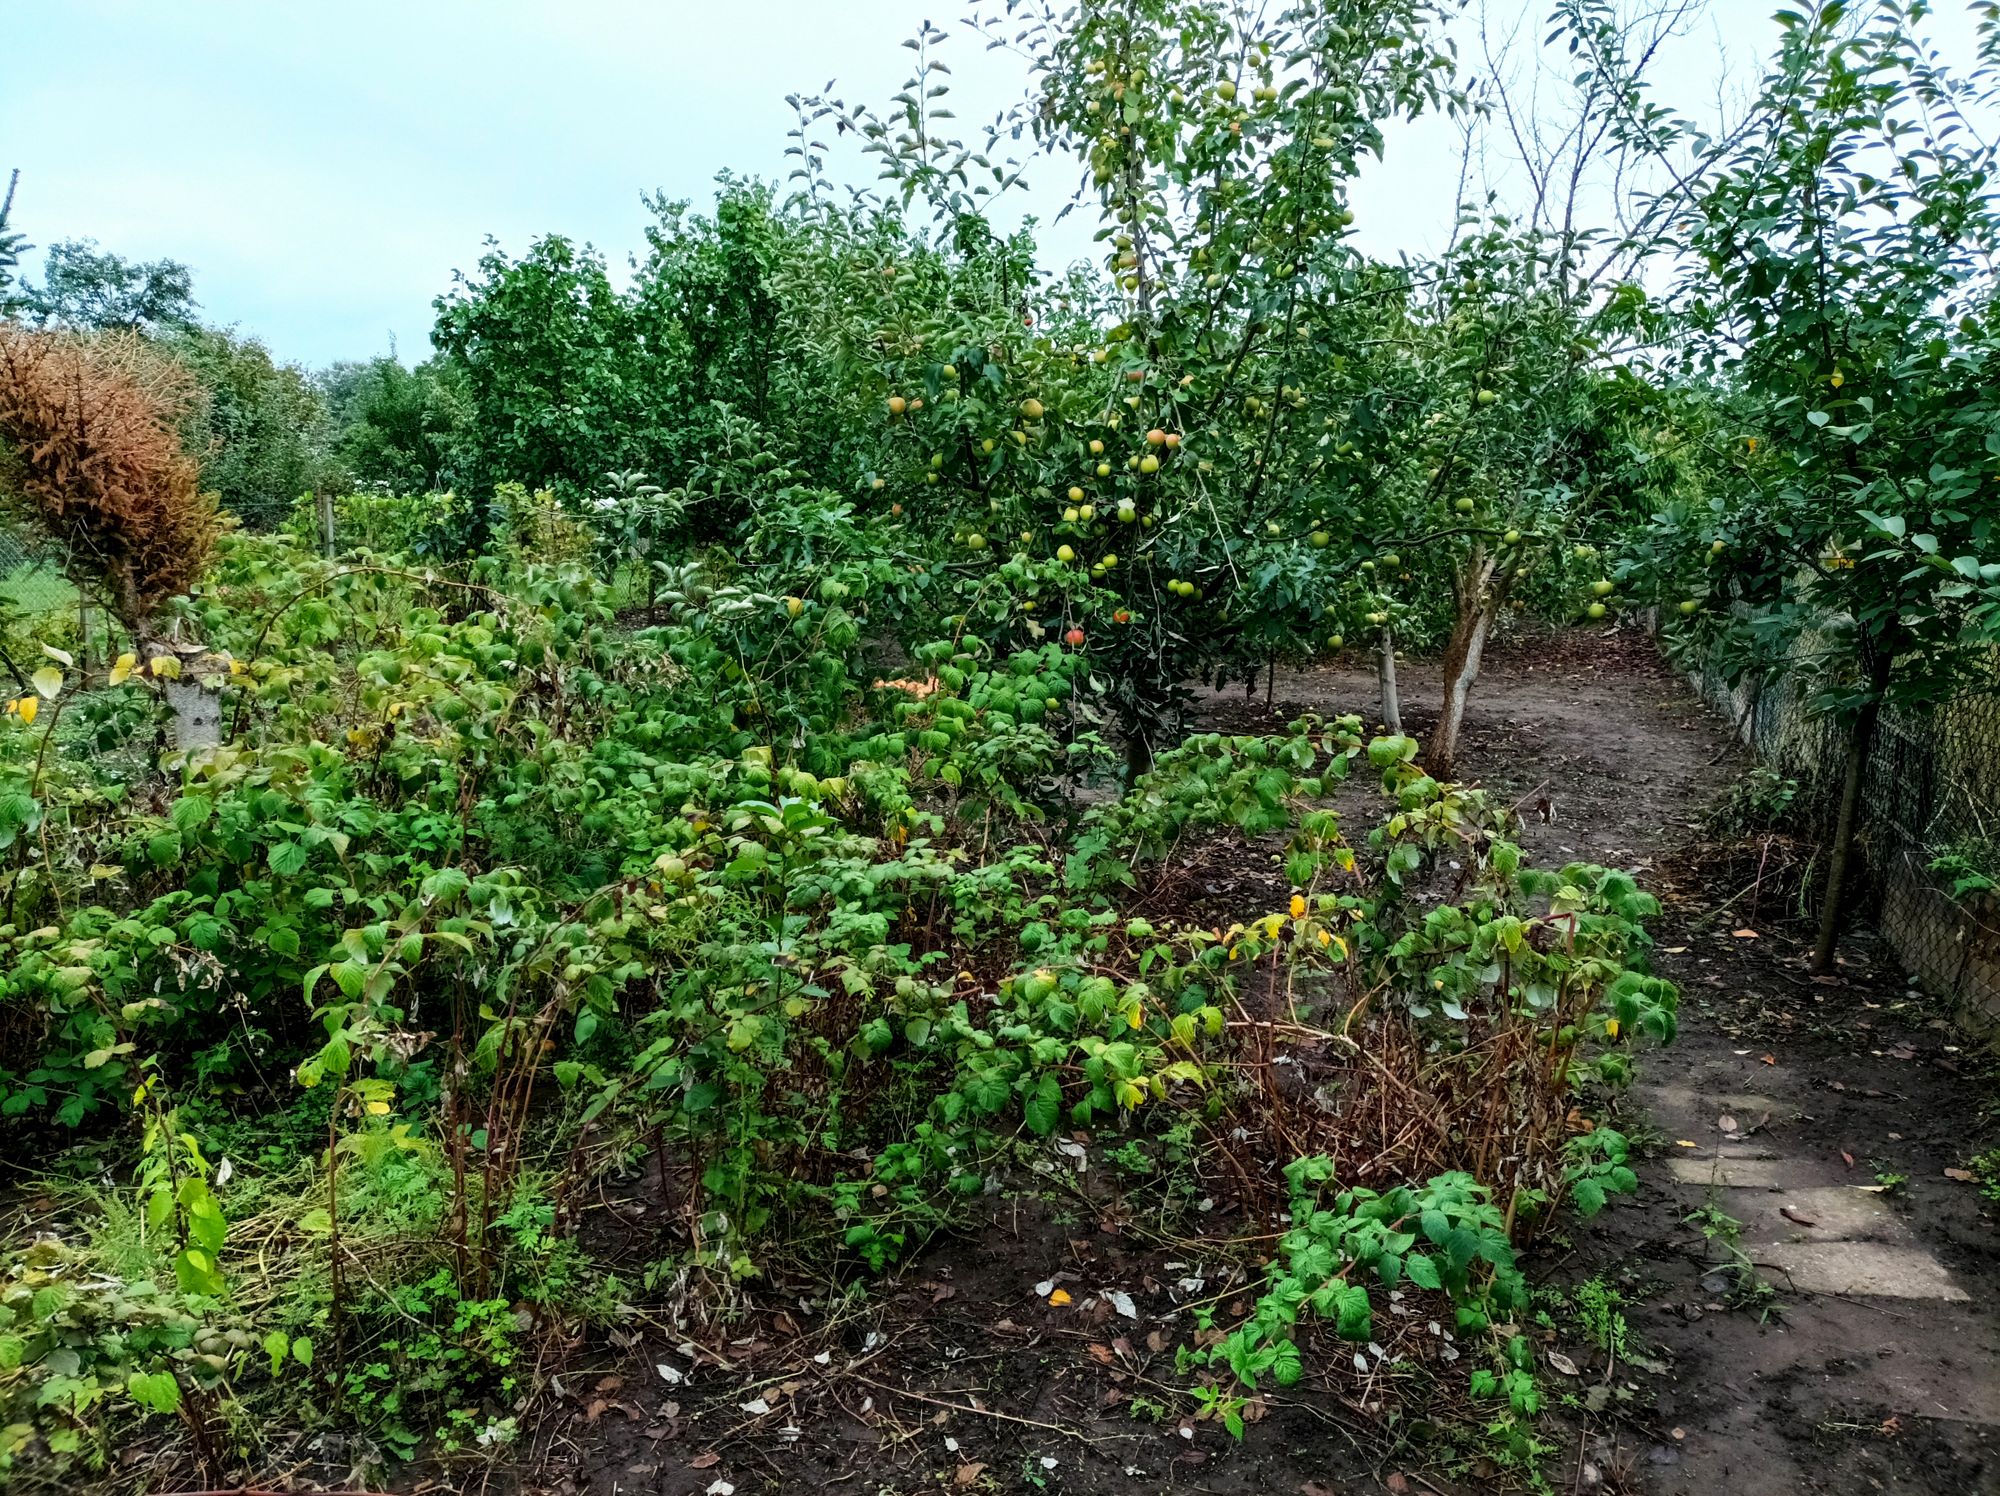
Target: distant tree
x,y
12,242
260,432
87,289
545,349
745,318
395,427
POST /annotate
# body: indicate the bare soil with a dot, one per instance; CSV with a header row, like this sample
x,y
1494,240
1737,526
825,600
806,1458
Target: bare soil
x,y
955,1374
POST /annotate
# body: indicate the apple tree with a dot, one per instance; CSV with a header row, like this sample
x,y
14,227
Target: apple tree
x,y
1139,457
1840,304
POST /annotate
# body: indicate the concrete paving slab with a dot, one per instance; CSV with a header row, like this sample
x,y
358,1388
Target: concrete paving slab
x,y
1820,1213
1707,1104
1740,1173
1873,1269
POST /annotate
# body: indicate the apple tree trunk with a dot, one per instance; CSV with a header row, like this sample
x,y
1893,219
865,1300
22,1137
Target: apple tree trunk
x,y
1480,591
1385,671
1853,779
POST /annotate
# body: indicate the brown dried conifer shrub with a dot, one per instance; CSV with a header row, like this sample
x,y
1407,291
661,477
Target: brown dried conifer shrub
x,y
90,451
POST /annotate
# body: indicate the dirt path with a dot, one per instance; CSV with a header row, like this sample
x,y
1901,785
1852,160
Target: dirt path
x,y
1873,1364
1870,1367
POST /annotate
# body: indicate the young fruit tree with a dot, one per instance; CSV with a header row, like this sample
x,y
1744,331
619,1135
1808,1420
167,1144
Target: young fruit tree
x,y
1839,301
1146,459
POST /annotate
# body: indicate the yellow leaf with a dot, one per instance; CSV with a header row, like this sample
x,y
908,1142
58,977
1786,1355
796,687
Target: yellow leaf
x,y
1059,1298
48,680
122,668
1137,1017
101,870
235,667
1610,1028
1298,907
378,1108
166,667
28,707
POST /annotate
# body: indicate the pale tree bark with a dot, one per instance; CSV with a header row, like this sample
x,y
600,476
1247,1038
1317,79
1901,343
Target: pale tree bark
x,y
196,705
1480,590
1385,671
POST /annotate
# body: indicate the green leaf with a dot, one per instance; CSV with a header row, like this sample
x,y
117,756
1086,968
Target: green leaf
x,y
156,1392
1356,1320
287,859
1044,1107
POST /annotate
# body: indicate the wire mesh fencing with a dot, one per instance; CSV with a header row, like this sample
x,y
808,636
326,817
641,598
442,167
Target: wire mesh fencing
x,y
1930,830
31,574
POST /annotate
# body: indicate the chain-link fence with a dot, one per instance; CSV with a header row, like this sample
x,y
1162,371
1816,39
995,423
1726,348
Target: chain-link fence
x,y
1931,823
31,576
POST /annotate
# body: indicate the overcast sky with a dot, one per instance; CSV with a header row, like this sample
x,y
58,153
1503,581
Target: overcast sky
x,y
325,167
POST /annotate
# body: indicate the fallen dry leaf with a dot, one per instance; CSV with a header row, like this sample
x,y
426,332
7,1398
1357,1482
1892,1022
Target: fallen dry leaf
x,y
1099,1353
1847,1158
1563,1364
1796,1217
1963,1176
967,1474
1770,1059
1746,933
1726,1123
703,1461
1059,1297
1685,1143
